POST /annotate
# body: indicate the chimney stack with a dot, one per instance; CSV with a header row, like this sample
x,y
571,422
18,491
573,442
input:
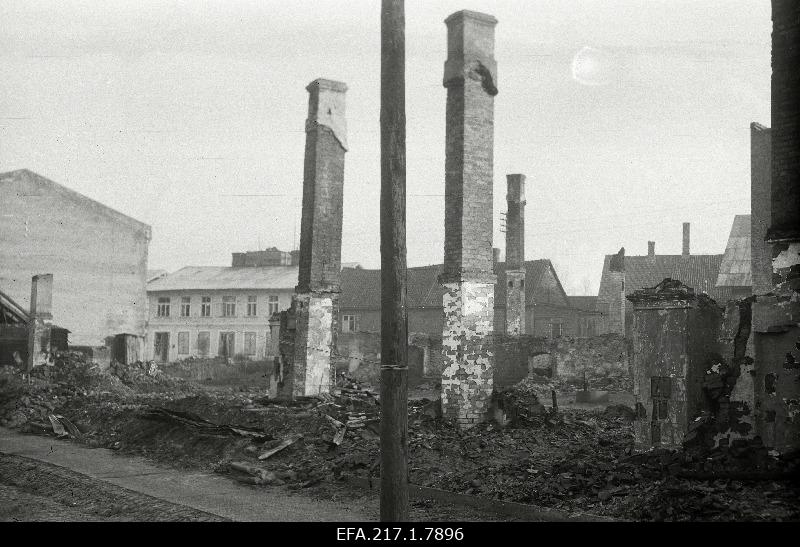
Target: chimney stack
x,y
685,239
495,258
651,249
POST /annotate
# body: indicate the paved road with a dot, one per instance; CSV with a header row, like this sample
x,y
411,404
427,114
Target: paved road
x,y
204,492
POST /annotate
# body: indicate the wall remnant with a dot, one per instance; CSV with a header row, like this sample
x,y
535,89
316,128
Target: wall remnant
x,y
40,321
314,311
675,336
470,76
776,314
612,294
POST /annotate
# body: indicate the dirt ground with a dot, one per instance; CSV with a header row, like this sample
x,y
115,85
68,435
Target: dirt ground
x,y
36,491
579,459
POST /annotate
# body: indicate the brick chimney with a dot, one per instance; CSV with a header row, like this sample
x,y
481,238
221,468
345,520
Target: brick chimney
x,y
651,249
495,258
470,76
685,239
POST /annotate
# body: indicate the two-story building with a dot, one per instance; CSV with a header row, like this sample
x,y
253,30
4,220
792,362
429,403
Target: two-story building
x,y
206,311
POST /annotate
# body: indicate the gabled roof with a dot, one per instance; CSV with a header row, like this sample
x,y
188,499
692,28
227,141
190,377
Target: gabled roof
x,y
226,277
534,271
36,180
697,271
735,269
361,289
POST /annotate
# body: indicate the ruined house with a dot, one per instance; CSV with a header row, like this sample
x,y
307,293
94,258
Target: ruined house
x,y
97,256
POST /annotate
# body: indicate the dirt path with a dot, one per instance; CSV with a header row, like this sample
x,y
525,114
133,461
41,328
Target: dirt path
x,y
85,480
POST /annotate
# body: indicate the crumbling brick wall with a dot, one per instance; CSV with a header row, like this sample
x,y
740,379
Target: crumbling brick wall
x,y
513,358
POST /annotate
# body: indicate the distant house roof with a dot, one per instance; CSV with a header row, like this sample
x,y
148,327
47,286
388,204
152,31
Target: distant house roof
x,y
697,271
584,303
222,277
735,269
35,180
361,289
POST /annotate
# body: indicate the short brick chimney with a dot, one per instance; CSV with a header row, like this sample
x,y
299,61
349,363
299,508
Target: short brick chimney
x,y
651,249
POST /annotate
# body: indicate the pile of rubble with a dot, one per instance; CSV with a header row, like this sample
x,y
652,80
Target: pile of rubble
x,y
571,460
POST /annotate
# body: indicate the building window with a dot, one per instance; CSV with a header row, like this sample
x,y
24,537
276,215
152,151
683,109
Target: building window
x,y
555,329
349,323
273,304
186,304
203,343
250,344
205,306
163,307
251,306
183,343
228,306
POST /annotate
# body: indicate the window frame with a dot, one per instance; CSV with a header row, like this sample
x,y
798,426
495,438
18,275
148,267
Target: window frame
x,y
252,305
205,306
186,306
273,304
228,306
163,305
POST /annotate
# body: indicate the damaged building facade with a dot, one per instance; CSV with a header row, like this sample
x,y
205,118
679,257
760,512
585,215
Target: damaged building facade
x,y
97,256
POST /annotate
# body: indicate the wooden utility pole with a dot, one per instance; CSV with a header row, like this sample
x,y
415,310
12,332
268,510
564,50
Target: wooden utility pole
x,y
394,322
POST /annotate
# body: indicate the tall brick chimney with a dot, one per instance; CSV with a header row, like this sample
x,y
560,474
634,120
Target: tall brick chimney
x,y
470,76
515,255
651,249
306,367
685,251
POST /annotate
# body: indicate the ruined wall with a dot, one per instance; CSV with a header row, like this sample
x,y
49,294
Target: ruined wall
x,y
98,257
776,341
605,359
675,339
358,354
514,358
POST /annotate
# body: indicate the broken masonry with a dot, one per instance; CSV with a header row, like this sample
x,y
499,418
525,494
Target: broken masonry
x,y
308,329
470,76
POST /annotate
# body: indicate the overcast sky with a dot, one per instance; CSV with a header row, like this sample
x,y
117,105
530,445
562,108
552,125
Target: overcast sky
x,y
627,116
